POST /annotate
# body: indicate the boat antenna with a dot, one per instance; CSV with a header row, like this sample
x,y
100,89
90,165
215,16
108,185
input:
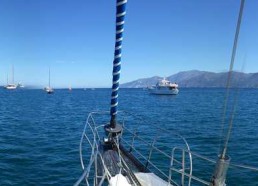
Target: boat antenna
x,y
222,164
120,17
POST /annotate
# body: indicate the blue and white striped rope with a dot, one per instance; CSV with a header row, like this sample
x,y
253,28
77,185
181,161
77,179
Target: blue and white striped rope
x,y
120,16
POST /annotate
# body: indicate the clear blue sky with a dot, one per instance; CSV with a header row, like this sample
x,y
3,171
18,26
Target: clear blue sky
x,y
162,37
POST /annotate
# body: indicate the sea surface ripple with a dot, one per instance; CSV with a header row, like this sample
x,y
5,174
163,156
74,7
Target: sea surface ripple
x,y
40,133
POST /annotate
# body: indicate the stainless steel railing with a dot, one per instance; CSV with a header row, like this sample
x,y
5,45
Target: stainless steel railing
x,y
176,167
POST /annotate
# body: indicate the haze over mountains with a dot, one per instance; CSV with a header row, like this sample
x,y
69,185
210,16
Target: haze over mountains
x,y
195,78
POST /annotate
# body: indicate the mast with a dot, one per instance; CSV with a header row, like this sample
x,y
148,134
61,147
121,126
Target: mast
x,y
120,17
219,175
49,77
12,75
7,80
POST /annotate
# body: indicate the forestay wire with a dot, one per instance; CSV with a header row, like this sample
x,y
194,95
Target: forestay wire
x,y
120,17
228,85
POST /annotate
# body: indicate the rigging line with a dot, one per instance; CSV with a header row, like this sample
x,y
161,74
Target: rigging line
x,y
124,165
230,125
233,112
232,165
228,85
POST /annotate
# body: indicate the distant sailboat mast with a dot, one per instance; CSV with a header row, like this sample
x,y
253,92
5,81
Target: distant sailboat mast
x,y
48,89
49,77
10,86
12,75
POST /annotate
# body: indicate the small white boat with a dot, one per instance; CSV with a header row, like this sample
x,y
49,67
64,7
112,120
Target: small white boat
x,y
20,85
49,90
164,87
11,86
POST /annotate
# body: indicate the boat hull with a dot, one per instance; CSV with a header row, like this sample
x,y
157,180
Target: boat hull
x,y
50,91
164,91
10,87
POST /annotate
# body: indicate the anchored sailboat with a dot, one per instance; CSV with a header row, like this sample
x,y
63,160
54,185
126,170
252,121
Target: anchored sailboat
x,y
116,148
11,86
70,88
48,89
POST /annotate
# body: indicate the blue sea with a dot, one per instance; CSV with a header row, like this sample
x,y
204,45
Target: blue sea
x,y
40,133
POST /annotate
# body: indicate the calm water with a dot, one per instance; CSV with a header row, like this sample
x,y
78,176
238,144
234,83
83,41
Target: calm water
x,y
40,133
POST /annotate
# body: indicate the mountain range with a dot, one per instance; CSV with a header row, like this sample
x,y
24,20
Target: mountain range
x,y
196,78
